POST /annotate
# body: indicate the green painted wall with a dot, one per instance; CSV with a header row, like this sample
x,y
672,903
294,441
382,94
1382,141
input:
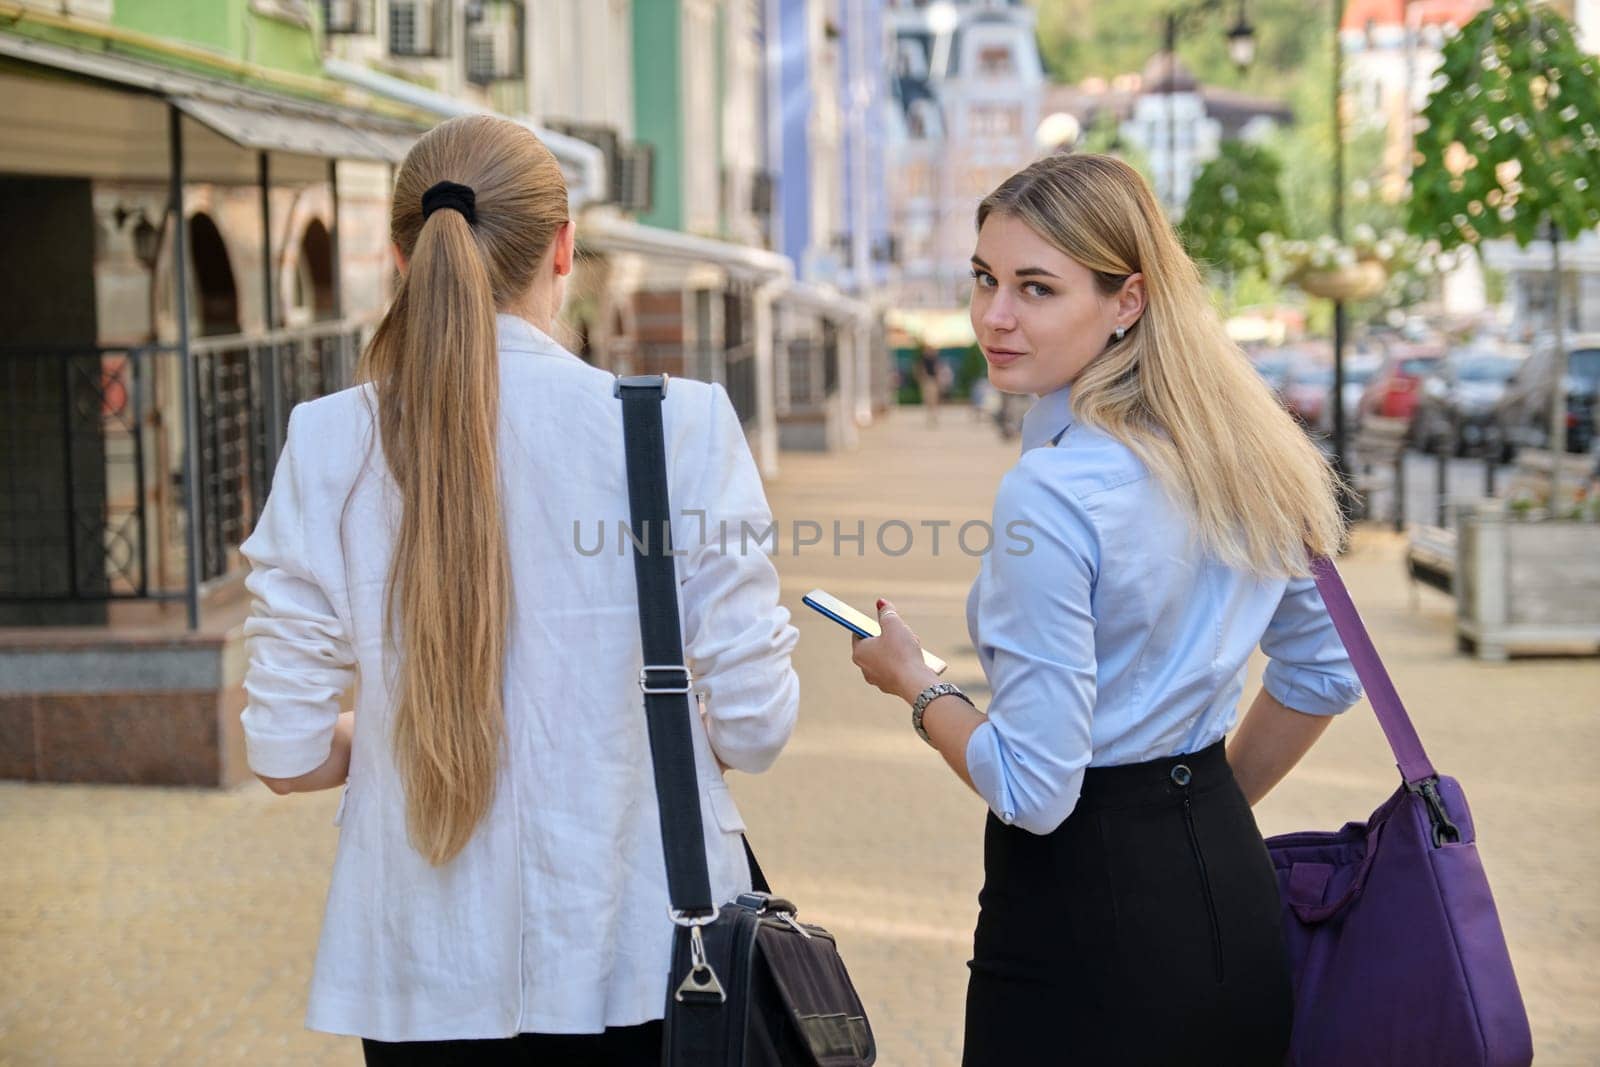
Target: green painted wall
x,y
230,27
217,24
658,104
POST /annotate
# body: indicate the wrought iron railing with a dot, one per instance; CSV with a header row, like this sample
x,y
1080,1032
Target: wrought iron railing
x,y
76,456
739,378
246,387
91,457
811,373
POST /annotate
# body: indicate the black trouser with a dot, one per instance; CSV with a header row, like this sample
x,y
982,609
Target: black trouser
x,y
619,1046
1144,930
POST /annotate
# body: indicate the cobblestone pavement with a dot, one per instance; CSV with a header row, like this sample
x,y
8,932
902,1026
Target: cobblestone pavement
x,y
171,926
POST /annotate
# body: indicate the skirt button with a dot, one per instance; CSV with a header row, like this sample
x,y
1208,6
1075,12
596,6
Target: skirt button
x,y
1181,775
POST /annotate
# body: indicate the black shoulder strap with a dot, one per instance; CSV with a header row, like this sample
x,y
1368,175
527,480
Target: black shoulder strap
x,y
665,679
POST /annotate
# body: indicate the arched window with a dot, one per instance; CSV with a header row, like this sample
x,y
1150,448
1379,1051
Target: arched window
x,y
215,309
312,298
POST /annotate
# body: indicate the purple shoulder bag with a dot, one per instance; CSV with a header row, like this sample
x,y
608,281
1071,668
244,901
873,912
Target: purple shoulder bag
x,y
1395,946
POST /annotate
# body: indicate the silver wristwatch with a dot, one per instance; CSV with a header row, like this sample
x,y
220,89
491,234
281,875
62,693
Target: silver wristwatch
x,y
926,697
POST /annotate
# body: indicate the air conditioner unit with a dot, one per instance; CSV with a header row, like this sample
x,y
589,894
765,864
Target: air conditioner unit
x,y
637,162
494,44
414,28
347,16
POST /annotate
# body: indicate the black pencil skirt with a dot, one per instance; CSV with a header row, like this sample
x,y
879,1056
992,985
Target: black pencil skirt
x,y
619,1046
1144,930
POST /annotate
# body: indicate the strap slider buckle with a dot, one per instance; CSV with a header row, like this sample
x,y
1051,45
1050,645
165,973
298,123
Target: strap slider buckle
x,y
640,381
649,689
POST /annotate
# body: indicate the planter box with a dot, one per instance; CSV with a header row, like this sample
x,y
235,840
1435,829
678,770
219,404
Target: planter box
x,y
1525,586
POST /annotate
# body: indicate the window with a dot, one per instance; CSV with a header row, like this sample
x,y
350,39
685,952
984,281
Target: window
x,y
995,61
347,16
416,28
995,120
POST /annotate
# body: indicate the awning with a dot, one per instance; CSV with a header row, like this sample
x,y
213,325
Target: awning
x,y
604,232
273,129
825,301
249,117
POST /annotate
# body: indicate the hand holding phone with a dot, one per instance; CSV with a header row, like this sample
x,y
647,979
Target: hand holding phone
x,y
859,623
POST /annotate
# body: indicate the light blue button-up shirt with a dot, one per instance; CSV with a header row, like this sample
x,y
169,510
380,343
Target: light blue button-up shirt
x,y
1109,637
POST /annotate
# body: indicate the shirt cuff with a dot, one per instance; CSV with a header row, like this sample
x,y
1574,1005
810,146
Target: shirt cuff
x,y
988,777
287,757
1310,691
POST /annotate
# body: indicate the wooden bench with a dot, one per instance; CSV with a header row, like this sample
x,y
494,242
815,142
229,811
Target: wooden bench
x,y
1431,556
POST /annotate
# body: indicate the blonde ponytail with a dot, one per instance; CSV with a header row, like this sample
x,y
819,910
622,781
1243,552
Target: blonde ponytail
x,y
435,367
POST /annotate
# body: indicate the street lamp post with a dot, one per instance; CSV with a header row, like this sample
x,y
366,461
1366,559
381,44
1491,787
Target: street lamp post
x,y
1241,49
1341,464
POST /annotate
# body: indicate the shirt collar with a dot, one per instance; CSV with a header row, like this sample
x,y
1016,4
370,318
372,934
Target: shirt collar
x,y
517,334
1048,419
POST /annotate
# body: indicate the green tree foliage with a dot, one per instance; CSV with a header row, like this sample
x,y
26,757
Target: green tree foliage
x,y
1080,38
1235,199
1510,141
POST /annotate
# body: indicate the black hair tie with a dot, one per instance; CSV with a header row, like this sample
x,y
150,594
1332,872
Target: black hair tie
x,y
452,195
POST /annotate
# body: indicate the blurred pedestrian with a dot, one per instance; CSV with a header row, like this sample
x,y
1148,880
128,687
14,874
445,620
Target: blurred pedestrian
x,y
499,893
928,380
1160,526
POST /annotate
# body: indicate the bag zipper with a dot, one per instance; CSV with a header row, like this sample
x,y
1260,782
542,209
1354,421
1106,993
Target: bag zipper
x,y
1205,883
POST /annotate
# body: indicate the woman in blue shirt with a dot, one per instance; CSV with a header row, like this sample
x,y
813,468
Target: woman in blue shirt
x,y
1166,510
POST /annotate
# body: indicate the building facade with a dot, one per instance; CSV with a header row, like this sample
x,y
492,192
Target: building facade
x,y
967,85
200,192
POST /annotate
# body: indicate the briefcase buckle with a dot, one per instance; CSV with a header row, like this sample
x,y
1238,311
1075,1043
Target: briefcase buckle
x,y
701,979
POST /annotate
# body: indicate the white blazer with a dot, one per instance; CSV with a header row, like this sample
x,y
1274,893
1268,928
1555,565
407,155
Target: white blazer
x,y
553,919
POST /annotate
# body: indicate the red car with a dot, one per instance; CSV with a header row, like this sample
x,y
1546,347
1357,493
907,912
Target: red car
x,y
1393,391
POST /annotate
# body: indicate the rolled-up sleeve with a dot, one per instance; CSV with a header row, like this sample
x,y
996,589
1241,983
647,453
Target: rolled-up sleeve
x,y
300,656
738,636
1307,669
1036,623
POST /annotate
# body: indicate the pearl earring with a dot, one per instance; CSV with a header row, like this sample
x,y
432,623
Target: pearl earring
x,y
1122,331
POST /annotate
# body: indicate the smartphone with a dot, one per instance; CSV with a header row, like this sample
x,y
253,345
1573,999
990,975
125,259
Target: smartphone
x,y
858,623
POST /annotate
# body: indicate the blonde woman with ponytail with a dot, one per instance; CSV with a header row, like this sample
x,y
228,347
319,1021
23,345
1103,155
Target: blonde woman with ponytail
x,y
499,893
1160,526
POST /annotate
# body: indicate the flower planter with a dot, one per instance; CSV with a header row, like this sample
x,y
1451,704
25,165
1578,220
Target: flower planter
x,y
1525,585
1367,278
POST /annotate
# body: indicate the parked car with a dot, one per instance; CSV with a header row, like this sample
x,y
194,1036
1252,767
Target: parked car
x,y
1305,392
1273,365
1392,392
1522,416
1359,369
1456,406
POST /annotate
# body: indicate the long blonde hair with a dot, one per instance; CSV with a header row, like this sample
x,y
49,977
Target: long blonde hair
x,y
1176,390
434,366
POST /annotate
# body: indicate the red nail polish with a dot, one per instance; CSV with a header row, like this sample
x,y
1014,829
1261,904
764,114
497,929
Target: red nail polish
x,y
881,603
